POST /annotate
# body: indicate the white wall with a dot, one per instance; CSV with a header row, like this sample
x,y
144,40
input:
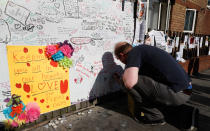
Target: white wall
x,y
97,24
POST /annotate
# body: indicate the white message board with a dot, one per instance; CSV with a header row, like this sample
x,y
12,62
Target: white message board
x,y
91,26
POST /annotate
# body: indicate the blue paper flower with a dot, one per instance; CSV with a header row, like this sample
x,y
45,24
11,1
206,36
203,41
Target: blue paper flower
x,y
7,112
58,56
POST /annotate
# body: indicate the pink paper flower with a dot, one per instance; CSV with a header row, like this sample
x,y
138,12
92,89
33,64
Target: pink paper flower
x,y
51,50
32,111
14,124
67,50
22,116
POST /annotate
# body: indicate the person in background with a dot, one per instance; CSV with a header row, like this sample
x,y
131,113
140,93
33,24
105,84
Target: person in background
x,y
153,78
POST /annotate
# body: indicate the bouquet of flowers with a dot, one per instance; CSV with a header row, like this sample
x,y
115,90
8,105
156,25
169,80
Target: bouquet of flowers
x,y
17,113
60,53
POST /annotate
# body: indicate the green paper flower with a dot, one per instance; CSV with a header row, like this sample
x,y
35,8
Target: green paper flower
x,y
65,62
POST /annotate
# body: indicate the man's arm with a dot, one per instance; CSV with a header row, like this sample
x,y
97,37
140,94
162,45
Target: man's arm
x,y
130,77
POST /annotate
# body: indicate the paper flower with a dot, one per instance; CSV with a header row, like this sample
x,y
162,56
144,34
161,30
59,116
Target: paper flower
x,y
12,111
57,52
58,56
7,112
65,62
32,111
15,100
22,117
14,124
10,124
67,50
15,113
68,44
17,110
51,50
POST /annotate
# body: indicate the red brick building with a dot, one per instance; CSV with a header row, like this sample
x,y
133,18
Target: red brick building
x,y
202,20
191,16
183,16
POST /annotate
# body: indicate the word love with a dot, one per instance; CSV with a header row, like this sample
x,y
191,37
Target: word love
x,y
54,85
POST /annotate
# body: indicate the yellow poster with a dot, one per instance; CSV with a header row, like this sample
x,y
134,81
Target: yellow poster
x,y
36,78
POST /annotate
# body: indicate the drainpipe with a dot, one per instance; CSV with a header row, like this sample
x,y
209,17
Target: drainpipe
x,y
147,16
168,16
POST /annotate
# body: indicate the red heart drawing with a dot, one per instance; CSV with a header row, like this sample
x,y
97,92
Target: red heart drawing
x,y
48,106
35,99
81,80
25,50
63,86
75,80
42,100
18,85
28,96
40,51
67,98
26,88
28,64
53,63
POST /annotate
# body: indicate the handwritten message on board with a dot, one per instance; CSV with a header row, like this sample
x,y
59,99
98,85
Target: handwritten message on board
x,y
35,78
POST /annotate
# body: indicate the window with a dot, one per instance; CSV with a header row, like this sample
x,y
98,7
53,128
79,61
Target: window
x,y
208,4
190,17
153,14
158,15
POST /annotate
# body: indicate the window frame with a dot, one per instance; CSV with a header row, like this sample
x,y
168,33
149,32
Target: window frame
x,y
208,4
159,15
194,19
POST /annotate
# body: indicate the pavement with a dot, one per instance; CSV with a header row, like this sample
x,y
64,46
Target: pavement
x,y
113,115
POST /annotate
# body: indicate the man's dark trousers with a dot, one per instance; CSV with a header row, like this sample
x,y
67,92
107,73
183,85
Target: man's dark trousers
x,y
150,95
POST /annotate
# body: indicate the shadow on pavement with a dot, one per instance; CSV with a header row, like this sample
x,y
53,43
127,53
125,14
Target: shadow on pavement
x,y
202,76
179,117
201,99
204,124
201,94
201,89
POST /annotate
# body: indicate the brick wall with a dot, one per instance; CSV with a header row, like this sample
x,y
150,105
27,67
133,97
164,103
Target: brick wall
x,y
201,3
177,17
202,25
